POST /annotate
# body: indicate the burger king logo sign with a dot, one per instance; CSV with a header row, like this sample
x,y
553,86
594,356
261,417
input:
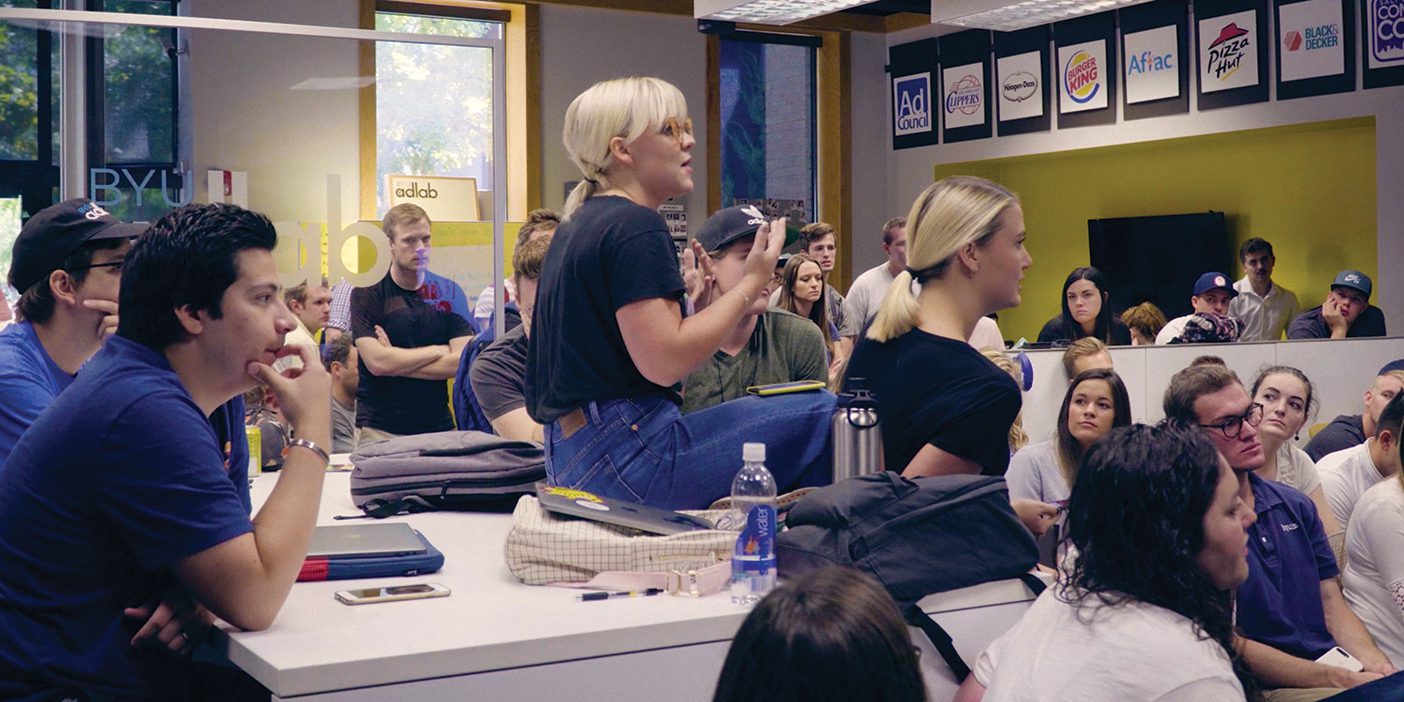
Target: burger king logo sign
x,y
1083,76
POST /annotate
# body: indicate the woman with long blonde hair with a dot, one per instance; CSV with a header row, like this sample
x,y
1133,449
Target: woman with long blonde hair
x,y
946,408
609,340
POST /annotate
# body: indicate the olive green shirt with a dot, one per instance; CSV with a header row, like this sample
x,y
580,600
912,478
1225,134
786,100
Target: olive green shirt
x,y
783,348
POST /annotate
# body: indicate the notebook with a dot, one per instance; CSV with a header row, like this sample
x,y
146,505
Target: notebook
x,y
578,503
364,541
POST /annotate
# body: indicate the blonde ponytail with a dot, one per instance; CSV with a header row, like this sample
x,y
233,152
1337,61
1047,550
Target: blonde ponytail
x,y
949,214
622,107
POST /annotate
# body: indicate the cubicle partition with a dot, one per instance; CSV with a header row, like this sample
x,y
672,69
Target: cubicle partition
x,y
1341,371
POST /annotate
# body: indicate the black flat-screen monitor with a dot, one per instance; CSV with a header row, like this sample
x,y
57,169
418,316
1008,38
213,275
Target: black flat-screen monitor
x,y
1158,258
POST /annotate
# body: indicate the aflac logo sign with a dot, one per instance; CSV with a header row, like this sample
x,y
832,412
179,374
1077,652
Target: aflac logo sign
x,y
1080,75
1152,64
912,104
1386,32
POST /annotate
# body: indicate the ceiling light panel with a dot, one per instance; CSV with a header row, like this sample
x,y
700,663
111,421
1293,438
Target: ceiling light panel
x,y
1006,16
769,11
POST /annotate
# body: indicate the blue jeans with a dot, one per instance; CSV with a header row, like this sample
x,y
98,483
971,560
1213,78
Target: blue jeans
x,y
644,450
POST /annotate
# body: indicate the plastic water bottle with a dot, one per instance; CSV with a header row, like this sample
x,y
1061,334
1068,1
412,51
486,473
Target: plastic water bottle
x,y
754,485
753,572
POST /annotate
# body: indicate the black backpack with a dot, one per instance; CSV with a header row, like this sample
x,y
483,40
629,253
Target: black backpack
x,y
917,537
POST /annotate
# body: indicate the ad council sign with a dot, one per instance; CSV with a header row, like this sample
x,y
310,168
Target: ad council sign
x,y
911,109
1310,39
1152,65
1386,33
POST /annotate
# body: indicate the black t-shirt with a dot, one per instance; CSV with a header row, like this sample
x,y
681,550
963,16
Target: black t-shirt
x,y
396,404
499,374
1054,331
938,391
610,253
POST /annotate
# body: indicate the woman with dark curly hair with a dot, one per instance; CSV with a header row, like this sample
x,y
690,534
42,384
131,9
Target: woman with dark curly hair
x,y
1142,612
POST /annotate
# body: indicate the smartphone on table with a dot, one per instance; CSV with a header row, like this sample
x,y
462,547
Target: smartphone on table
x,y
391,593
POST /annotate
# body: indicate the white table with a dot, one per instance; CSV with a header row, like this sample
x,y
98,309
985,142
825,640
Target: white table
x,y
495,637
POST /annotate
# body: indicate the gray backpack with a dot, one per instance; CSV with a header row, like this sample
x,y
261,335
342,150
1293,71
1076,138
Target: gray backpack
x,y
447,470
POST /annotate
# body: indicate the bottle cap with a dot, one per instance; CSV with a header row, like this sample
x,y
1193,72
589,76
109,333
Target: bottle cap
x,y
753,452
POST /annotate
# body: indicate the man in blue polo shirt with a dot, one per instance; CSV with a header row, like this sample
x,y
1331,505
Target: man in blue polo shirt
x,y
118,495
1290,609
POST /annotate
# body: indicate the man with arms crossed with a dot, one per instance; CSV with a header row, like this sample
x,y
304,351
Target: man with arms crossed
x,y
1264,307
1212,294
866,293
120,493
1347,430
767,345
1290,610
408,347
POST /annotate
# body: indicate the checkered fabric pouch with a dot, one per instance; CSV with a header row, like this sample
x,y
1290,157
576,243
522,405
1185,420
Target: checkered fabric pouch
x,y
543,549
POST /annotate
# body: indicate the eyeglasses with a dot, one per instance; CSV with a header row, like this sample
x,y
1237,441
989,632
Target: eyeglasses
x,y
676,129
1233,426
110,264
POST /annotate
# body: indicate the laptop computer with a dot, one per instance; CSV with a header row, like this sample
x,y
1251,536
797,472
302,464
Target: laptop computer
x,y
364,541
654,520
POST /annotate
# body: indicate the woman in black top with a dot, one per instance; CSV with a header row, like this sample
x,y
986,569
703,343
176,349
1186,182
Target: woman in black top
x,y
1086,312
609,341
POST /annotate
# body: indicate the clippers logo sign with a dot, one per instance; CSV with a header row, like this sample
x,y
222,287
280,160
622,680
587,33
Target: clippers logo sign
x,y
964,96
911,112
1386,33
1152,60
1083,81
1311,39
1228,55
1020,91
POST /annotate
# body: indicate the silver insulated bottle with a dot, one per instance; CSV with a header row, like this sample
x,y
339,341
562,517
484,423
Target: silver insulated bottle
x,y
857,438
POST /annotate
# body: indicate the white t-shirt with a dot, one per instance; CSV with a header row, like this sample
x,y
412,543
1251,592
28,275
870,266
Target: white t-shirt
x,y
297,337
864,298
486,301
1034,475
1374,572
987,335
1345,476
1296,469
1264,318
1130,651
1172,329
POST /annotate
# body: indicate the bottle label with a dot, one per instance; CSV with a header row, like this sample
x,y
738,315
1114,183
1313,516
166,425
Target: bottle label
x,y
755,547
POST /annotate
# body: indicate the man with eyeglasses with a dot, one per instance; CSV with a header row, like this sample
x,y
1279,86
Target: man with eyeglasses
x,y
67,266
1347,474
1290,610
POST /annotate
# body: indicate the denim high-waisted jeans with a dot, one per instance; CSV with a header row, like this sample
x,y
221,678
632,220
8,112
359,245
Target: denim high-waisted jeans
x,y
642,449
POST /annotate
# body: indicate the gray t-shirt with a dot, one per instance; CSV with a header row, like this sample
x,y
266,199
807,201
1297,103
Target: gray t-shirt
x,y
499,374
1034,475
343,427
783,348
864,299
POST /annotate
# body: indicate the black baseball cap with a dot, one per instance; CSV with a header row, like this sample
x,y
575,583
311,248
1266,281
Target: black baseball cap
x,y
56,232
733,223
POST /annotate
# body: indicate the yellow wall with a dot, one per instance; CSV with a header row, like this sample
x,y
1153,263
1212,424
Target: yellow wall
x,y
1308,189
446,234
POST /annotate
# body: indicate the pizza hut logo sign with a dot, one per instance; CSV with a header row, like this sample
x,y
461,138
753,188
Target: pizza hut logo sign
x,y
1227,51
1019,86
1387,30
965,96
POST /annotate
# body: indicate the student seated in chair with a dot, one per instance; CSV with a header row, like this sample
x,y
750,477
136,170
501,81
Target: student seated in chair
x,y
1347,430
117,501
498,374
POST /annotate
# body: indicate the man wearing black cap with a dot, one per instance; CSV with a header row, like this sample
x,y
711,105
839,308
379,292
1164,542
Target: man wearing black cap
x,y
1212,293
67,266
1346,313
767,345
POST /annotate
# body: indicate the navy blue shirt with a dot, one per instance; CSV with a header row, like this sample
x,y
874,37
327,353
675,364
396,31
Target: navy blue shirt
x,y
1288,557
29,382
121,477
